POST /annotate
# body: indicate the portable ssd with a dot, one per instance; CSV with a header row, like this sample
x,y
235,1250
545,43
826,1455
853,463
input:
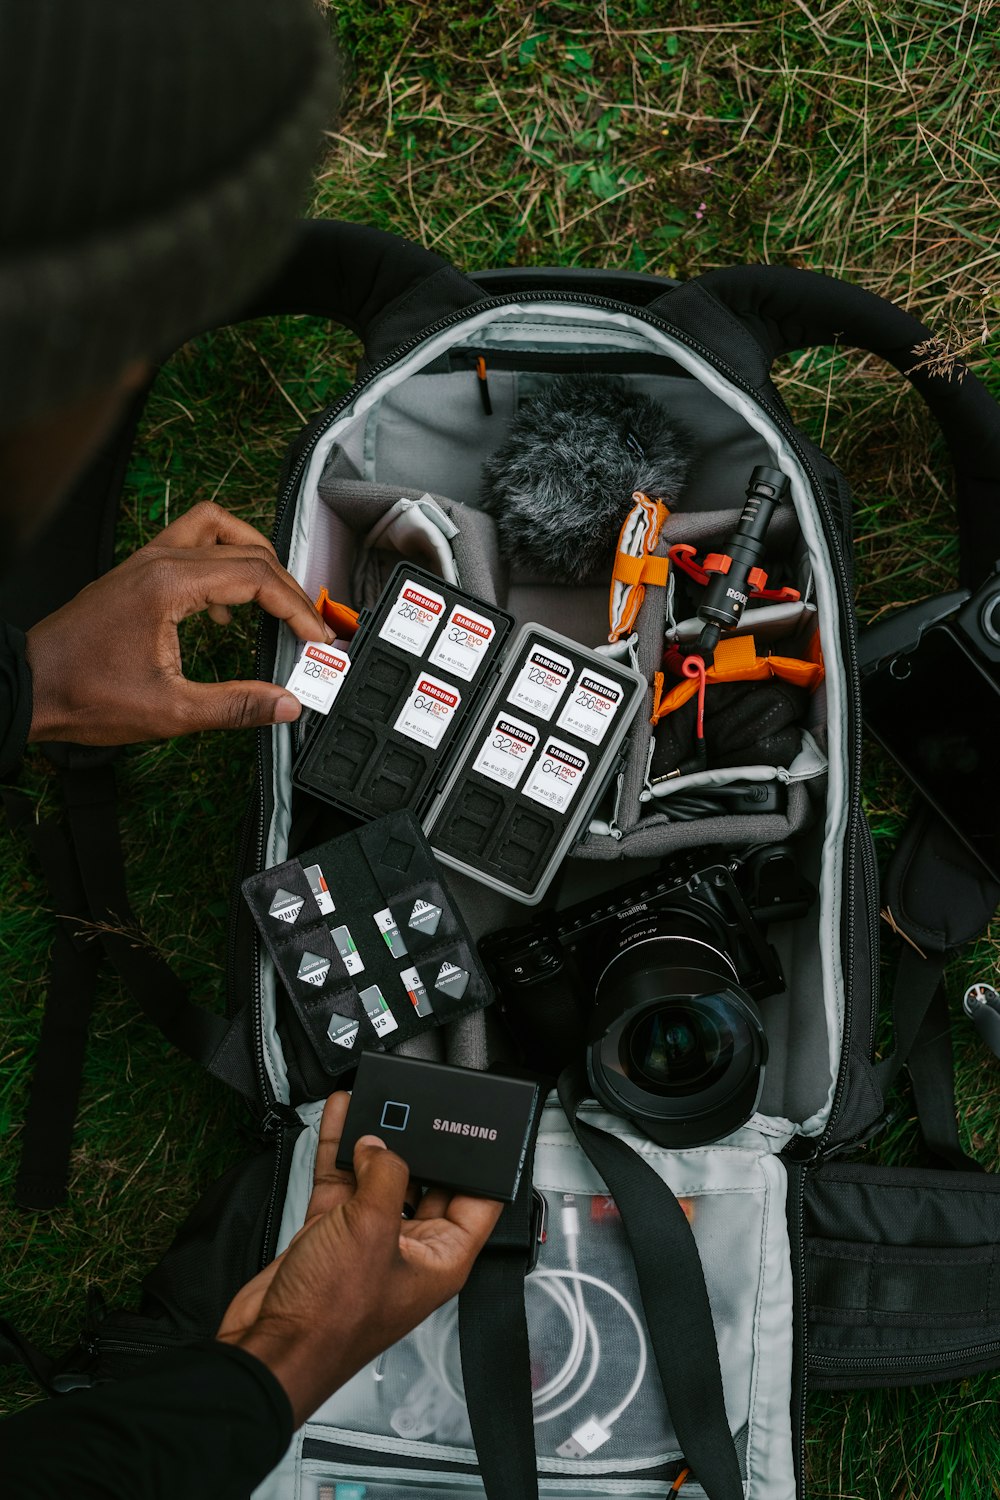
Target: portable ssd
x,y
455,1127
500,750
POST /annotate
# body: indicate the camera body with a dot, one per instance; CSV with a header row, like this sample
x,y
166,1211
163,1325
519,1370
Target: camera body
x,y
657,982
930,681
973,618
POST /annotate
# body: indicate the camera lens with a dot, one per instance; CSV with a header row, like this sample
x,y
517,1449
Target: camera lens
x,y
676,1043
989,618
682,1047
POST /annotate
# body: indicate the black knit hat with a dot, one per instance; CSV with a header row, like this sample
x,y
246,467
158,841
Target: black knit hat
x,y
155,154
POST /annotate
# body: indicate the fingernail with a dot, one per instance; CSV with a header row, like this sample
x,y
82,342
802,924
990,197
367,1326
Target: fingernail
x,y
329,635
371,1140
286,709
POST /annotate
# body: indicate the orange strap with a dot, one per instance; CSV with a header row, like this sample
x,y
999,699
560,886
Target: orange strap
x,y
736,660
342,619
636,572
633,570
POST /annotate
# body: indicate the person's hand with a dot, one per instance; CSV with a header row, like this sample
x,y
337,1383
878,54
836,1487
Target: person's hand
x,y
106,668
357,1277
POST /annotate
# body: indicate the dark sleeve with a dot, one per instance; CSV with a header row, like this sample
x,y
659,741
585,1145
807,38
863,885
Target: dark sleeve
x,y
207,1423
15,698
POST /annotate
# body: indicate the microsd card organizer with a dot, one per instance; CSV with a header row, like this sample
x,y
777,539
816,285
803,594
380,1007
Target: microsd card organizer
x,y
367,941
500,749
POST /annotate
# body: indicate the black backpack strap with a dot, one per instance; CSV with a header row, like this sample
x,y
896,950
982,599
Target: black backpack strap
x,y
47,1135
675,1303
936,898
493,1341
494,1334
81,860
92,814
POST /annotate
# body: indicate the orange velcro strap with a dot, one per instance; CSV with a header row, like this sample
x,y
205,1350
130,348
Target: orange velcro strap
x,y
339,617
736,660
633,570
734,655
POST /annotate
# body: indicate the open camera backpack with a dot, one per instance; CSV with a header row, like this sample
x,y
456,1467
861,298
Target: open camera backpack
x,y
644,1321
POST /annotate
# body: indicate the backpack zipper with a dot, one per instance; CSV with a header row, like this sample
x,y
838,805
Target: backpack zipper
x,y
917,1363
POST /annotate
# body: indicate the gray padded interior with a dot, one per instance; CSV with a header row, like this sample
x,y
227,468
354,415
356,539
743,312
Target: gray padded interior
x,y
429,435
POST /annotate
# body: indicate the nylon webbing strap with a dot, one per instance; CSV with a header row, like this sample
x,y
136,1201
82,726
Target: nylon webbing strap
x,y
92,810
674,1299
922,1029
83,866
493,1342
47,1137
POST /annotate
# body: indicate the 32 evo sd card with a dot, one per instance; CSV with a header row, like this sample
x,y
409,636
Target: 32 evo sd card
x,y
367,942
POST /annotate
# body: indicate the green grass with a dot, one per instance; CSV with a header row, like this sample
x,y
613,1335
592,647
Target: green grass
x,y
856,138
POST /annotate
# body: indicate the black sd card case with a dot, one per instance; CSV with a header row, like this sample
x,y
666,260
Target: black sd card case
x,y
367,940
500,750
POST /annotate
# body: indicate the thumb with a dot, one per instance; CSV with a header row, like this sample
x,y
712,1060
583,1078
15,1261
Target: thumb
x,y
382,1179
236,705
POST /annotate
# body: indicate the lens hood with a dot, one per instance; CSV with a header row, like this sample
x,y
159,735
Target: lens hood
x,y
676,1044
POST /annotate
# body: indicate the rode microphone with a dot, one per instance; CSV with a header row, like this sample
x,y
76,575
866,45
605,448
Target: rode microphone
x,y
735,574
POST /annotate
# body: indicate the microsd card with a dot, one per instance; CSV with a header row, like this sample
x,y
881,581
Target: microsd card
x,y
389,928
463,643
377,1010
318,676
413,618
286,906
320,889
505,752
592,705
428,710
347,948
343,1030
417,991
541,681
556,774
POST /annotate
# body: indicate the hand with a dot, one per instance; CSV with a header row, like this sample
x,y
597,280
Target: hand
x,y
106,668
357,1277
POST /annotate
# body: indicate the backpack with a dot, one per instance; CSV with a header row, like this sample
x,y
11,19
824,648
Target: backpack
x,y
645,1319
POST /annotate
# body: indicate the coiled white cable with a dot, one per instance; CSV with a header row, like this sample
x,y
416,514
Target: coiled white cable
x,y
437,1344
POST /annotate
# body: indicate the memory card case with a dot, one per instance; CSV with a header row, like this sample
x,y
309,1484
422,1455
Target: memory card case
x,y
500,748
367,940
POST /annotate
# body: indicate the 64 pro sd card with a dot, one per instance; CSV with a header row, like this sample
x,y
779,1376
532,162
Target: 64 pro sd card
x,y
367,941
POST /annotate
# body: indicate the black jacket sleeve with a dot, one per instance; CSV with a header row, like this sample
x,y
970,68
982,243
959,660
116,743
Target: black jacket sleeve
x,y
15,698
207,1423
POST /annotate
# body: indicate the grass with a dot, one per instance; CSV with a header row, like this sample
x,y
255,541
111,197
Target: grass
x,y
855,137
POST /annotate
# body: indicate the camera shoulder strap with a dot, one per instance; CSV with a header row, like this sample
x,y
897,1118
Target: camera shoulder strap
x,y
494,1336
674,1297
493,1343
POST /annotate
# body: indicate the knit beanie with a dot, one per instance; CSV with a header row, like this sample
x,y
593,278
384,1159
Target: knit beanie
x,y
154,155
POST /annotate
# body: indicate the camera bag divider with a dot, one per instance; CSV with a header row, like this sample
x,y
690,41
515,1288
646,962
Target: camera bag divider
x,y
695,1290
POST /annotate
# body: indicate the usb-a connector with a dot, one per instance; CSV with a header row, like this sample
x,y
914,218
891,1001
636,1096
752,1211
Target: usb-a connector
x,y
585,1440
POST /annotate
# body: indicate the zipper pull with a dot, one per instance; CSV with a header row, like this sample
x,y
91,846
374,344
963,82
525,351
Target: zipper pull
x,y
275,1120
484,385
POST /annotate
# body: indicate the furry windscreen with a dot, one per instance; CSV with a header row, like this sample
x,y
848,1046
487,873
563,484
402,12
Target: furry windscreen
x,y
561,485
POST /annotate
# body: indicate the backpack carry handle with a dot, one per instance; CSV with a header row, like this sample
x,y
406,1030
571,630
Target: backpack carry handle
x,y
755,314
382,287
637,288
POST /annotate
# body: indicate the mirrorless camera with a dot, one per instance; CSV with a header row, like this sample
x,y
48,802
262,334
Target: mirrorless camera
x,y
930,683
658,981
